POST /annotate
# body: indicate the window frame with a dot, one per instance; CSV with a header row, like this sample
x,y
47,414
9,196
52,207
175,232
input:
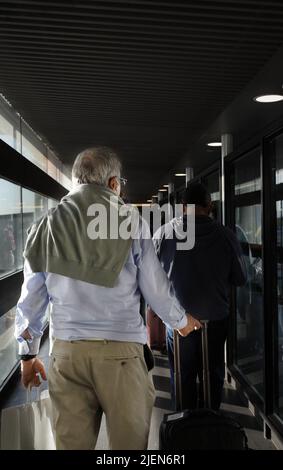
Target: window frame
x,y
16,169
266,196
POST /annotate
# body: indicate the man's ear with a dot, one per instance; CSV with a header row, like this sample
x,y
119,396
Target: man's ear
x,y
113,184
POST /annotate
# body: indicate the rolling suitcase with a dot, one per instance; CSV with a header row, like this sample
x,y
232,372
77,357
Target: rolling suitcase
x,y
201,429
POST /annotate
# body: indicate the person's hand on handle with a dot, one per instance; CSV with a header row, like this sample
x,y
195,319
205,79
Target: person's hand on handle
x,y
192,325
30,371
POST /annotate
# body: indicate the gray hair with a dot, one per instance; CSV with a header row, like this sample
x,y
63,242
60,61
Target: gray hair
x,y
96,165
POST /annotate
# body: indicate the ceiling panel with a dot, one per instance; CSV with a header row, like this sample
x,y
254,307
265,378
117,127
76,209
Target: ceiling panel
x,y
144,76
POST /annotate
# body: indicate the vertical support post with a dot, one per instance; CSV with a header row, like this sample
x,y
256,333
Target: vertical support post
x,y
171,197
227,147
189,175
170,190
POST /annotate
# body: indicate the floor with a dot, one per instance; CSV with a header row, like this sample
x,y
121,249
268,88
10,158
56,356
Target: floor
x,y
231,403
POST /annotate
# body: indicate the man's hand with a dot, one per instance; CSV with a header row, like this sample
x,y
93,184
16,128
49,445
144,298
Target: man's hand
x,y
30,372
192,325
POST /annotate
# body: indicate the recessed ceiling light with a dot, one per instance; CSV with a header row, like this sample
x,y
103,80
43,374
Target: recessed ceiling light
x,y
154,195
149,200
268,98
166,185
162,189
180,174
214,144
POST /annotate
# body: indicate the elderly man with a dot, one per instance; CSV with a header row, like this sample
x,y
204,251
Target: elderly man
x,y
93,286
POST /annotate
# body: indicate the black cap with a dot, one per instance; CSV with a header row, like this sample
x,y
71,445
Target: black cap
x,y
196,193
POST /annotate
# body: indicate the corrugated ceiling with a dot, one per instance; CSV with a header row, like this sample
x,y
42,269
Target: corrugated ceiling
x,y
146,77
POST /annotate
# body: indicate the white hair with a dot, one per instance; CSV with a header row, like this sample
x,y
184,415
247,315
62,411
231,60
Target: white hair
x,y
96,165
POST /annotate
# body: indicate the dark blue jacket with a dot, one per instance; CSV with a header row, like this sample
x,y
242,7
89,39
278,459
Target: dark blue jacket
x,y
202,276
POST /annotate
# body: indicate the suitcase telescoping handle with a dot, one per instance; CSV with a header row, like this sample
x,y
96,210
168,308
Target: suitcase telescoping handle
x,y
177,368
205,365
177,373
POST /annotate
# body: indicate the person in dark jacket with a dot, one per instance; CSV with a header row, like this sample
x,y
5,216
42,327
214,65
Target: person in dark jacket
x,y
202,278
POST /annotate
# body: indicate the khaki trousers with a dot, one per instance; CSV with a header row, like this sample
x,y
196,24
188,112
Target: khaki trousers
x,y
87,378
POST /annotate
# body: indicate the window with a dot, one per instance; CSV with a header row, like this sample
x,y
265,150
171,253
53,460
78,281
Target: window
x,y
33,149
6,131
15,219
8,345
9,126
34,207
249,298
16,133
10,228
212,184
9,357
19,208
247,174
53,165
65,178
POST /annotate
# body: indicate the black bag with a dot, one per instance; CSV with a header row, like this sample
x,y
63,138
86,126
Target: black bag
x,y
148,357
202,429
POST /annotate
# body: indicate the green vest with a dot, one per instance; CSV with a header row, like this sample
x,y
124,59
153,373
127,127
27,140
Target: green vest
x,y
62,242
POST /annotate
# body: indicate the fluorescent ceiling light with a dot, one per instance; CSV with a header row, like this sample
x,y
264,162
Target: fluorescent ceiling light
x,y
180,174
149,200
268,98
166,185
162,189
214,144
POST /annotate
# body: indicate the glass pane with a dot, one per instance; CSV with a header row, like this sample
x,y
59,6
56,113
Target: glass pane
x,y
9,125
19,135
279,345
250,320
52,165
247,174
11,248
52,170
212,184
34,207
279,212
33,148
52,203
65,178
8,345
6,131
279,159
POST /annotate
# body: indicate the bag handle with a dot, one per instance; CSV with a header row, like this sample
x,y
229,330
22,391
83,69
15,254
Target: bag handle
x,y
29,395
